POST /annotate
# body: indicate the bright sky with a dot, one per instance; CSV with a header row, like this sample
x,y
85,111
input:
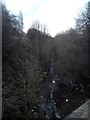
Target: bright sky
x,y
57,15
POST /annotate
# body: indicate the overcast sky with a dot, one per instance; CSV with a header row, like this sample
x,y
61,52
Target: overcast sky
x,y
57,15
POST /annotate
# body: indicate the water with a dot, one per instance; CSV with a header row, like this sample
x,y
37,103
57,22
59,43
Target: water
x,y
47,107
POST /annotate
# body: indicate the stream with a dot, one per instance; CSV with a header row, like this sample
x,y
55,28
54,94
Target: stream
x,y
47,105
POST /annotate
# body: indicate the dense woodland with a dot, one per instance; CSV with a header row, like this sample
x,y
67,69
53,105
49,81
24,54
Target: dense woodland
x,y
26,59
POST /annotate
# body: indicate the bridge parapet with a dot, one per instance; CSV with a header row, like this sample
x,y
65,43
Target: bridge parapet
x,y
82,112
